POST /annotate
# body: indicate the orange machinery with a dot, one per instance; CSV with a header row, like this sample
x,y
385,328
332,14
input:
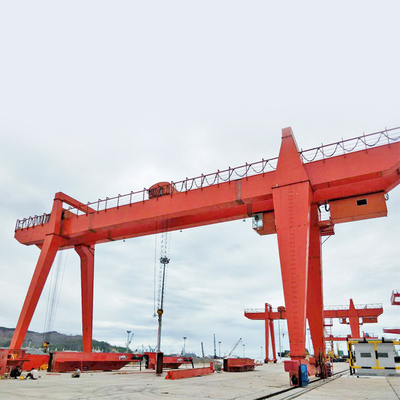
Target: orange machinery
x,y
351,177
353,315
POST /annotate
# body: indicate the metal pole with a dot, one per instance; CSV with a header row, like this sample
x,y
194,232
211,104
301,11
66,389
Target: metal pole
x,y
219,345
184,345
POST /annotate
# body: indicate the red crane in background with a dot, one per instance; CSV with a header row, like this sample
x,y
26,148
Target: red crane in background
x,y
353,315
394,301
351,176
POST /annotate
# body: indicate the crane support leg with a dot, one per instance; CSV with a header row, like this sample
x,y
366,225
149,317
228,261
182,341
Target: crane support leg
x,y
48,252
86,254
266,333
292,196
314,287
292,217
354,321
271,327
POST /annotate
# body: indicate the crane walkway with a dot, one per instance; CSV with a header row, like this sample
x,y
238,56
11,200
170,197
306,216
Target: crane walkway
x,y
322,152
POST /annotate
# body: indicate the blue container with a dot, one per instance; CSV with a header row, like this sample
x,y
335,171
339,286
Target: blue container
x,y
303,375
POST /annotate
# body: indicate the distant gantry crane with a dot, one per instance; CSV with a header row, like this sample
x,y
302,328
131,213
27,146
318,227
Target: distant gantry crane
x,y
394,301
353,315
282,195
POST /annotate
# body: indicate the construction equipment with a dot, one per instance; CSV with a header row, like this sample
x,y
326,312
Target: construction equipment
x,y
351,177
128,340
202,350
353,315
238,364
233,348
395,298
394,301
174,362
215,348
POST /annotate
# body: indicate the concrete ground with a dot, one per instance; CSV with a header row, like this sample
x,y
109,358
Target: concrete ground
x,y
130,383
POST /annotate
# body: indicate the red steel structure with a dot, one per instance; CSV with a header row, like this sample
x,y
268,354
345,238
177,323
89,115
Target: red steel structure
x,y
351,176
395,298
394,301
353,315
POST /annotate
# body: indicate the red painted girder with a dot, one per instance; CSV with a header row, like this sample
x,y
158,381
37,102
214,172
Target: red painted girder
x,y
364,312
349,175
392,330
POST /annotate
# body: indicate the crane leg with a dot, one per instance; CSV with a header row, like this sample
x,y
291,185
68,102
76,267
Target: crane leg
x,y
314,288
48,252
271,327
266,333
86,254
354,320
292,218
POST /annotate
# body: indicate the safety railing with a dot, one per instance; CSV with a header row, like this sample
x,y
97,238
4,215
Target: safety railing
x,y
387,136
32,221
254,310
364,142
357,307
258,310
202,181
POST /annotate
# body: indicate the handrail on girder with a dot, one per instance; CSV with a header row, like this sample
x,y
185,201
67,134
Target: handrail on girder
x,y
326,308
386,136
356,306
32,221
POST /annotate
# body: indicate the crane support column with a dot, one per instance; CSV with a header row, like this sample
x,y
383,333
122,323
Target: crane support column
x,y
86,254
267,309
271,326
292,197
354,321
46,258
315,306
269,332
52,242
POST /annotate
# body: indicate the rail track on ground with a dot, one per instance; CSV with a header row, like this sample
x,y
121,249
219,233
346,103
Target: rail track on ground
x,y
295,391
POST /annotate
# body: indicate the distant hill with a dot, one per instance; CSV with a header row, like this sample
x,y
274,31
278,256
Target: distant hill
x,y
58,341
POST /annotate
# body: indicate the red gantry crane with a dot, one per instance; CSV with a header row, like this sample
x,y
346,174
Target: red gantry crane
x,y
353,315
351,176
394,301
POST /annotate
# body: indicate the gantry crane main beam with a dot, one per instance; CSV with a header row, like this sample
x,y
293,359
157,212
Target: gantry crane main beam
x,y
369,171
292,193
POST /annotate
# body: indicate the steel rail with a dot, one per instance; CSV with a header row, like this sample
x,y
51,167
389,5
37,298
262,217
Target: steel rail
x,y
300,392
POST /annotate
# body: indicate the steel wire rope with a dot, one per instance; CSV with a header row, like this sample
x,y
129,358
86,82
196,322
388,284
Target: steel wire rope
x,y
57,277
213,182
154,272
60,285
237,173
222,179
331,155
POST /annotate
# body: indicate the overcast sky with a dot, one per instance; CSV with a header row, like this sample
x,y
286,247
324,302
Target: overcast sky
x,y
100,98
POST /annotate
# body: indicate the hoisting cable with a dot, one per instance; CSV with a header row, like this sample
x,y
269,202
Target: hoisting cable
x,y
57,276
326,239
155,272
164,261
